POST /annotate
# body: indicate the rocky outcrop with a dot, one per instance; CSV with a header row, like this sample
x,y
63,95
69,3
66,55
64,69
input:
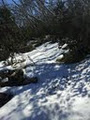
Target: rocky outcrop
x,y
16,78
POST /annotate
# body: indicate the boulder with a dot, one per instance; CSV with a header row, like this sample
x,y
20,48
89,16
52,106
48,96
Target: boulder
x,y
4,98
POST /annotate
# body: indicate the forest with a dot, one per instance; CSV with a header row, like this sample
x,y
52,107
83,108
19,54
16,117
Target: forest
x,y
44,59
39,21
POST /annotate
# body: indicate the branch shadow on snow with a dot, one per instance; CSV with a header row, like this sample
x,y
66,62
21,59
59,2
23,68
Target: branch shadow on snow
x,y
52,78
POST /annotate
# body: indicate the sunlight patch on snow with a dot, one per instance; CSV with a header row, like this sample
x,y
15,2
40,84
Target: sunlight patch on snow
x,y
80,109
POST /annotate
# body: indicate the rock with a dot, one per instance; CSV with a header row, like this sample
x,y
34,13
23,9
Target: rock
x,y
17,78
4,98
6,73
19,83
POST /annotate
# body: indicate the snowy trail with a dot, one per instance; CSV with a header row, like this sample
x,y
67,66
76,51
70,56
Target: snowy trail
x,y
62,93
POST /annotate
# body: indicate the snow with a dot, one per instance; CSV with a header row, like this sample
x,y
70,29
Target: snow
x,y
62,92
64,46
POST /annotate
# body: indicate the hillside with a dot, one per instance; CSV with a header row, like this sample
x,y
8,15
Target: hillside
x,y
62,91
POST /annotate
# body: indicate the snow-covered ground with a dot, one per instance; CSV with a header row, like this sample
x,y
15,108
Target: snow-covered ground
x,y
62,92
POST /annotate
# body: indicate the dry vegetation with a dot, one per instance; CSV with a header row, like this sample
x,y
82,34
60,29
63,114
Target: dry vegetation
x,y
64,21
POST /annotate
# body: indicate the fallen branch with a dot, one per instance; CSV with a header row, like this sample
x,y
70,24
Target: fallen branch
x,y
31,60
